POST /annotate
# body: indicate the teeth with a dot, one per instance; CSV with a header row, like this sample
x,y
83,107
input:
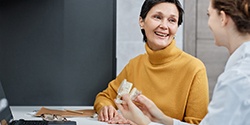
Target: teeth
x,y
161,34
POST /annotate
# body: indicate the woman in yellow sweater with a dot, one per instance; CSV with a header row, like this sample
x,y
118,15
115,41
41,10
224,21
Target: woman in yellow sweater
x,y
174,80
229,21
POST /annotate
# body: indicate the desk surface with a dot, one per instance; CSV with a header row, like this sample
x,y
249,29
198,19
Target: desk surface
x,y
27,112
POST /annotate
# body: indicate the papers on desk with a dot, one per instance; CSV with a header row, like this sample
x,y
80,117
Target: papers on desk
x,y
67,112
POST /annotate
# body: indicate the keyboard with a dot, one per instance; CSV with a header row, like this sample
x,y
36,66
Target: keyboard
x,y
41,122
29,122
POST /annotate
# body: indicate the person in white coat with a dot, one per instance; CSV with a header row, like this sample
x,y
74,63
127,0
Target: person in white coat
x,y
229,20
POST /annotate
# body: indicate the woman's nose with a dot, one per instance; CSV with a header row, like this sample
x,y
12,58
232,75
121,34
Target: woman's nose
x,y
164,25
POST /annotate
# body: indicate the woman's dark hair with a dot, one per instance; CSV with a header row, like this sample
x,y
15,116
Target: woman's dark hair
x,y
148,4
238,10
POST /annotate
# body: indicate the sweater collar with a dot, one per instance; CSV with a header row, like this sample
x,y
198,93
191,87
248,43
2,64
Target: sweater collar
x,y
163,56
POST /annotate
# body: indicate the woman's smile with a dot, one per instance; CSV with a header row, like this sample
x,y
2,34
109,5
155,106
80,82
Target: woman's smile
x,y
161,34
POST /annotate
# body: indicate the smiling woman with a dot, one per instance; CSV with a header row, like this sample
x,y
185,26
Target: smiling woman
x,y
129,38
163,71
229,21
160,25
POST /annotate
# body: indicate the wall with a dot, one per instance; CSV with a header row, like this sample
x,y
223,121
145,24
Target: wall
x,y
129,37
199,41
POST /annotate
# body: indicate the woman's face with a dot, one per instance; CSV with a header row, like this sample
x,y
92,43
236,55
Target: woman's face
x,y
214,23
160,25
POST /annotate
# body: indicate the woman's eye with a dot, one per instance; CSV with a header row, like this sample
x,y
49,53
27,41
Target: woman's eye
x,y
157,17
172,20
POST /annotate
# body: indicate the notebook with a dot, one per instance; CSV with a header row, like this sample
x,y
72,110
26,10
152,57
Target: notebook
x,y
6,117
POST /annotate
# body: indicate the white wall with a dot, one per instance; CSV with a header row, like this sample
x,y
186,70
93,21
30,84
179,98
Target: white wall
x,y
129,38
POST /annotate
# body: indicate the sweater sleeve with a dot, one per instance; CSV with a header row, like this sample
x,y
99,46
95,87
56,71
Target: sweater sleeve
x,y
107,96
198,99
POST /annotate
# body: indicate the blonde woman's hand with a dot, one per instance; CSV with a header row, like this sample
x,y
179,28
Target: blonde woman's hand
x,y
149,108
130,111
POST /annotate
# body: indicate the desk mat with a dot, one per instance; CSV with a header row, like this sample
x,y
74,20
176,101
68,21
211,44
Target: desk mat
x,y
66,113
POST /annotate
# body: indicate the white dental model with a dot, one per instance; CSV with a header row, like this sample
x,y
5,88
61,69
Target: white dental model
x,y
125,88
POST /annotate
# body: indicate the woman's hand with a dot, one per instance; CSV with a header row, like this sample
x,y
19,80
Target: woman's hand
x,y
119,119
130,111
107,113
149,108
142,111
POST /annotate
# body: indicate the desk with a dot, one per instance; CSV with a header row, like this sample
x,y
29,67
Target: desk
x,y
26,112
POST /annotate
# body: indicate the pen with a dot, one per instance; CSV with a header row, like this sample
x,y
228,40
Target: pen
x,y
74,111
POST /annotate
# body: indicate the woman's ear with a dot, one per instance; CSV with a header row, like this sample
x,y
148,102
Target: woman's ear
x,y
224,18
141,23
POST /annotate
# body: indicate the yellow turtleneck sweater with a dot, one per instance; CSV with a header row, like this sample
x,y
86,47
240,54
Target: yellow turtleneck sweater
x,y
174,80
